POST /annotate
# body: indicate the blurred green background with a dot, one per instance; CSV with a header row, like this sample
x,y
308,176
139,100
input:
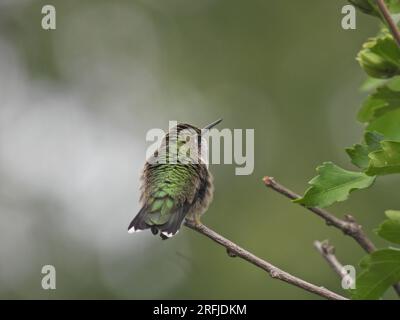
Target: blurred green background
x,y
75,106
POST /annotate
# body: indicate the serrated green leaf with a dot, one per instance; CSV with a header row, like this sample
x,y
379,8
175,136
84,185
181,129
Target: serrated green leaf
x,y
381,269
388,125
386,47
390,228
386,160
359,152
366,6
380,57
370,7
377,104
333,184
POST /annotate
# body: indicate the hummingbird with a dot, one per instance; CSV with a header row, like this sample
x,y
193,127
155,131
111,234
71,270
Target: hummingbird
x,y
175,182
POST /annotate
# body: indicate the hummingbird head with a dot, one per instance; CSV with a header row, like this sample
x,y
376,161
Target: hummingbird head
x,y
188,142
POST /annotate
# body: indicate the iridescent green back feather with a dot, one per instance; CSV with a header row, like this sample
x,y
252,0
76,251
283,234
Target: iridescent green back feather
x,y
167,188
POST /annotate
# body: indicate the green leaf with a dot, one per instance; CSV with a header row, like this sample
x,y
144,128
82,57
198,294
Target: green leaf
x,y
393,5
333,184
380,270
393,214
388,125
390,228
386,47
394,83
359,152
382,101
380,57
386,160
366,6
372,83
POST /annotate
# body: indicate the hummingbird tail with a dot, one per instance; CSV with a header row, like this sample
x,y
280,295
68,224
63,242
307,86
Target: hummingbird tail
x,y
173,225
138,223
143,220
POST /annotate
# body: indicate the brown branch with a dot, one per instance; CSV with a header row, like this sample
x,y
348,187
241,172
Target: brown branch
x,y
348,225
276,273
389,20
327,251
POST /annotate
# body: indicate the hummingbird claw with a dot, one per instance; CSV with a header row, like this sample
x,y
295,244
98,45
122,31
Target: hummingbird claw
x,y
197,220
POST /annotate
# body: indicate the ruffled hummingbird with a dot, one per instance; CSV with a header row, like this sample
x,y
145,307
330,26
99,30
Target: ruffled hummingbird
x,y
176,182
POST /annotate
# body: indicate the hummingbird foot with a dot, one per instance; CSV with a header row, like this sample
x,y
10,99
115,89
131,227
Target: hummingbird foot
x,y
195,218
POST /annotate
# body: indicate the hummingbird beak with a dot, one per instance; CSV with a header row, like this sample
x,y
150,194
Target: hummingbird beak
x,y
211,125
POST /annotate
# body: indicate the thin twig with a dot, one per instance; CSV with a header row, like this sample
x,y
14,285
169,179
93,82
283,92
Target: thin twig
x,y
348,225
388,18
276,273
327,251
